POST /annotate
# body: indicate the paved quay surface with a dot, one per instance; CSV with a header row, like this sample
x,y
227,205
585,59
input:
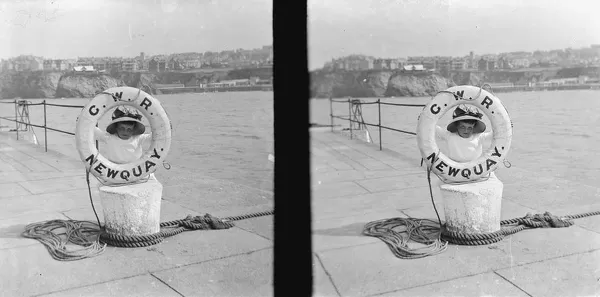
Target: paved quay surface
x,y
354,183
37,186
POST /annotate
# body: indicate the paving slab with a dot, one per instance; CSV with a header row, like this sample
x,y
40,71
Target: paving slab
x,y
341,162
517,175
8,168
485,284
321,151
28,161
339,165
393,183
409,171
13,189
543,192
335,154
57,201
321,168
347,231
11,229
377,270
322,284
340,189
38,273
248,275
66,183
336,176
372,152
65,164
11,177
576,275
360,157
209,195
142,286
331,207
263,226
13,163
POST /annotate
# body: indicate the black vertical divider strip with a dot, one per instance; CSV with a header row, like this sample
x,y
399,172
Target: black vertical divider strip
x,y
292,244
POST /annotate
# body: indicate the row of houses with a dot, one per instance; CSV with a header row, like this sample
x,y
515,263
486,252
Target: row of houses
x,y
253,81
154,64
239,58
553,82
32,63
446,63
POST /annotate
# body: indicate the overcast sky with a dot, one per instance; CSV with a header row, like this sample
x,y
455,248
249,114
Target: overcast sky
x,y
71,28
381,28
400,28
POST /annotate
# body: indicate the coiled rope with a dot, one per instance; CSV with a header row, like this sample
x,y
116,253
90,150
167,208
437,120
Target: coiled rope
x,y
92,240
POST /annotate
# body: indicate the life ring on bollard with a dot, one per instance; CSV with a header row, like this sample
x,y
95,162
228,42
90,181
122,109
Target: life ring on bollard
x,y
109,172
446,168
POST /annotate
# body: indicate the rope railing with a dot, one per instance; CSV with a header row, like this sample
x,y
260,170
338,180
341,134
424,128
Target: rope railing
x,y
25,114
353,102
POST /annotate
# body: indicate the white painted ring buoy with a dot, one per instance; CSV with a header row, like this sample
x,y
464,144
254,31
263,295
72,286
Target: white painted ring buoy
x,y
446,168
109,172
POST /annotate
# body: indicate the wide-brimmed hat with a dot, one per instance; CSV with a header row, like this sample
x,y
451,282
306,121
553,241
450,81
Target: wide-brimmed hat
x,y
124,114
463,112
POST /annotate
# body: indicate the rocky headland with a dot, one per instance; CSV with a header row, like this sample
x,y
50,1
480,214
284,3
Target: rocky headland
x,y
66,84
372,83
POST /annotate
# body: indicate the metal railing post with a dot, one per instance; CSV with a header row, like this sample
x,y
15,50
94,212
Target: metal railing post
x,y
45,128
350,116
331,112
379,116
16,120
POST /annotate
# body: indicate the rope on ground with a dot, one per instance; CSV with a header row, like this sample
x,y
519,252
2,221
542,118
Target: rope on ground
x,y
93,240
76,232
425,231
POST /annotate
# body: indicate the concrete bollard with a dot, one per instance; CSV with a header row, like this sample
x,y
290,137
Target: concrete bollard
x,y
473,208
132,209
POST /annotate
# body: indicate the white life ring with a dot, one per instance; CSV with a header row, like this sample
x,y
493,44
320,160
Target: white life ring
x,y
446,168
109,172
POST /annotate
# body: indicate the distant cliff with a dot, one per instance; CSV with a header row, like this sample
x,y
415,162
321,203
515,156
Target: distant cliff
x,y
375,84
85,86
372,83
29,85
41,84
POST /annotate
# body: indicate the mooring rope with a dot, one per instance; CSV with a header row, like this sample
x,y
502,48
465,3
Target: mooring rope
x,y
75,232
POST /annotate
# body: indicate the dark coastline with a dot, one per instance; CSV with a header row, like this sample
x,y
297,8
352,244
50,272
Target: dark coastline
x,y
517,89
546,88
213,90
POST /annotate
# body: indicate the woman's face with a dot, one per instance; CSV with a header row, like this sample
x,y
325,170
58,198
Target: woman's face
x,y
465,130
